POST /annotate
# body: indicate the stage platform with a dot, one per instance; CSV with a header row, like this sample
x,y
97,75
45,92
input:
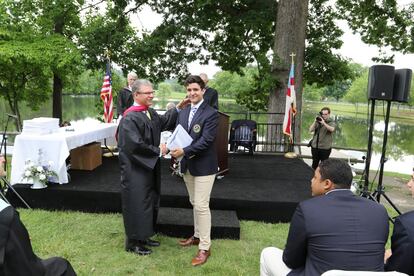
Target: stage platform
x,y
258,187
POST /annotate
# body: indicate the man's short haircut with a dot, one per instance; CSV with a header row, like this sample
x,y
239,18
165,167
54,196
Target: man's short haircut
x,y
132,74
338,171
138,84
194,79
327,109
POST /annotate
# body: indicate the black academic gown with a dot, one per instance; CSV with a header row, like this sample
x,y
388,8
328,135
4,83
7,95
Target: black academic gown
x,y
125,100
138,142
211,97
16,253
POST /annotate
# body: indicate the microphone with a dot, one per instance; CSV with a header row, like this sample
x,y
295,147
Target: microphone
x,y
12,115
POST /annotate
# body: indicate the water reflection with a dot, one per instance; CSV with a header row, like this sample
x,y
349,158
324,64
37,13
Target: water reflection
x,y
352,131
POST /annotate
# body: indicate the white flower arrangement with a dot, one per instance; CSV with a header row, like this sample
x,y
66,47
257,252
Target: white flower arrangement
x,y
36,170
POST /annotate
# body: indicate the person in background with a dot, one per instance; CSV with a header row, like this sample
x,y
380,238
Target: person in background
x,y
210,94
125,99
16,252
321,144
198,164
333,230
401,256
169,106
410,184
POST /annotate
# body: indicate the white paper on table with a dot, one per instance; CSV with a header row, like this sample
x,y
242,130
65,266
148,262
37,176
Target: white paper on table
x,y
179,139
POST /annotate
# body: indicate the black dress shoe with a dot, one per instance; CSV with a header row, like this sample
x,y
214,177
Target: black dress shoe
x,y
149,242
139,249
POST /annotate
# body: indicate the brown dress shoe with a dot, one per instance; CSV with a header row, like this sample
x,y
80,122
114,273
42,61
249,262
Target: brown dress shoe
x,y
201,257
190,241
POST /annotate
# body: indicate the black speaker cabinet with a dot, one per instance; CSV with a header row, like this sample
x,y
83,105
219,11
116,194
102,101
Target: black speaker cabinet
x,y
381,82
402,85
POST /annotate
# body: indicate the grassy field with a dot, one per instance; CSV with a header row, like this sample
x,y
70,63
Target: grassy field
x,y
94,244
403,115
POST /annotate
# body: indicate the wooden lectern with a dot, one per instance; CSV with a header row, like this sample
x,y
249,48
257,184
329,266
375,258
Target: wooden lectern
x,y
222,141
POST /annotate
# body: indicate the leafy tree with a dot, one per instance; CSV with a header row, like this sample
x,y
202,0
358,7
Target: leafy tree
x,y
229,84
90,82
381,23
26,67
357,93
30,40
337,90
164,90
312,92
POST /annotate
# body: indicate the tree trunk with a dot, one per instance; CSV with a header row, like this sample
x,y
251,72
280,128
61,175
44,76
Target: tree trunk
x,y
57,97
57,81
292,16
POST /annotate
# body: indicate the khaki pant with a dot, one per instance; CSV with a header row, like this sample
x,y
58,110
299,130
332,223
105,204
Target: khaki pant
x,y
199,189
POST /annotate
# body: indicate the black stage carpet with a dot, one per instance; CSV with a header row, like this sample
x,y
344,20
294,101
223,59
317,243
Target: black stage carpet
x,y
258,187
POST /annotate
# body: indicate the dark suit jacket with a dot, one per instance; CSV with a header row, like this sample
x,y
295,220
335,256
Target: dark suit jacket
x,y
402,245
336,231
200,157
211,97
125,100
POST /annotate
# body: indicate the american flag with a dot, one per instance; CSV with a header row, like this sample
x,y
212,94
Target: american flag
x,y
106,95
290,109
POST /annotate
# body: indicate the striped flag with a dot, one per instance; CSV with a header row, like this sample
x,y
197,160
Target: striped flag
x,y
106,95
290,110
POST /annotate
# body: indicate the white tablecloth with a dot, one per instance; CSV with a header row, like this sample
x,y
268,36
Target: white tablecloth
x,y
55,147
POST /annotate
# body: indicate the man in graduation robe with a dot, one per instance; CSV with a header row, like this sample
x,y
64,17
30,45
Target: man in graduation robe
x,y
139,154
125,99
16,252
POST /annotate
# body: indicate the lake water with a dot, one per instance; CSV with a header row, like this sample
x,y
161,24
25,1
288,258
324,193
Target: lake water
x,y
351,132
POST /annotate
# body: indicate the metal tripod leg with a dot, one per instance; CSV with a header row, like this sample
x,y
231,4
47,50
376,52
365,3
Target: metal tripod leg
x,y
15,192
378,193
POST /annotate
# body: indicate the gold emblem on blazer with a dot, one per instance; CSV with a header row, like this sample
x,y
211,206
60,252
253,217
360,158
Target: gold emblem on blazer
x,y
196,128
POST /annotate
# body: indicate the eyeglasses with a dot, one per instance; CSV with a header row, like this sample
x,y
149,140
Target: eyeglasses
x,y
325,114
147,93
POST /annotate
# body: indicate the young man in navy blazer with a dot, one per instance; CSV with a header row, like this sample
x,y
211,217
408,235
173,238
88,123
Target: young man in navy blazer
x,y
199,164
334,230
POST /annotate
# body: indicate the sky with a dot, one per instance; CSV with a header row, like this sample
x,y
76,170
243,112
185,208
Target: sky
x,y
353,48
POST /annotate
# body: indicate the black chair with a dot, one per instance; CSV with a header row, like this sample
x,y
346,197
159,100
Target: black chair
x,y
243,133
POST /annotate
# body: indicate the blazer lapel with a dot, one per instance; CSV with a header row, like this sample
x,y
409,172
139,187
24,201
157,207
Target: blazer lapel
x,y
197,114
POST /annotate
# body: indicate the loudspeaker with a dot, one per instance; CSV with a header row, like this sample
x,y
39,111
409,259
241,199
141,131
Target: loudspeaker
x,y
381,82
402,85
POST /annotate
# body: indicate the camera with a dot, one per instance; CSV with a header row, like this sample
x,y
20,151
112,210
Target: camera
x,y
319,118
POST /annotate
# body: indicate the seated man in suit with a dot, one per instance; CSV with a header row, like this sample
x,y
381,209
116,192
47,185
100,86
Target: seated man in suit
x,y
16,253
334,230
401,255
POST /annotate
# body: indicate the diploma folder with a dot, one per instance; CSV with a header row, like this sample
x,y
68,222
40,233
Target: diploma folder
x,y
179,139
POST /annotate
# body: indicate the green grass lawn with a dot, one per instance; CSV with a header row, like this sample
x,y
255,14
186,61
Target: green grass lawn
x,y
94,244
401,115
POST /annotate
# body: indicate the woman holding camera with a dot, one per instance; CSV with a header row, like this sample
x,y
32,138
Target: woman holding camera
x,y
321,143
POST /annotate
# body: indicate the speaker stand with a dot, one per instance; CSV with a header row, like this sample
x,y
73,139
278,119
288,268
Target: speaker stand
x,y
365,191
376,196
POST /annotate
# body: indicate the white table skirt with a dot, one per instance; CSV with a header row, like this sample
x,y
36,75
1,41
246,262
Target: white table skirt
x,y
55,147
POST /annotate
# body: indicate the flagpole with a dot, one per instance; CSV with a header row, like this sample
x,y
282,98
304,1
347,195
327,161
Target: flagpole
x,y
291,152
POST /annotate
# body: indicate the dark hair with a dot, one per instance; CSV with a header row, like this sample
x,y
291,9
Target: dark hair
x,y
194,79
338,171
327,109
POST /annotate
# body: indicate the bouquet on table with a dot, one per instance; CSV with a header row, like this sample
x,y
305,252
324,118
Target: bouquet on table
x,y
38,172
